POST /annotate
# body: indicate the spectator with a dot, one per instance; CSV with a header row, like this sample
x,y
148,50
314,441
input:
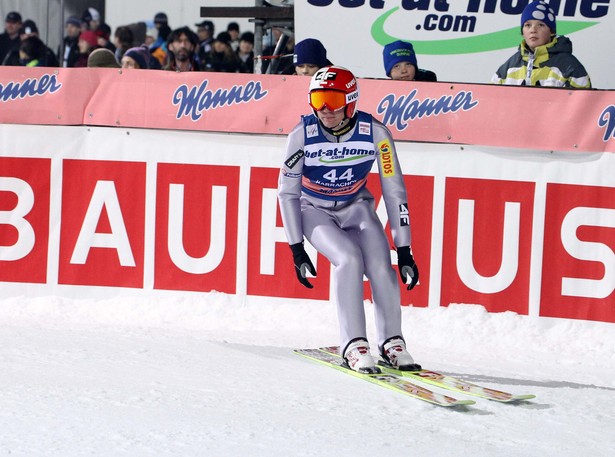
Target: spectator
x,y
88,41
46,59
69,50
104,37
233,30
159,47
181,45
400,63
162,24
137,58
222,57
102,58
32,52
310,55
124,40
151,33
205,32
245,52
9,40
91,19
543,58
278,58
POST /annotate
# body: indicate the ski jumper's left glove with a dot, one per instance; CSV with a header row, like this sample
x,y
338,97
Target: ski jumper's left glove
x,y
303,264
408,270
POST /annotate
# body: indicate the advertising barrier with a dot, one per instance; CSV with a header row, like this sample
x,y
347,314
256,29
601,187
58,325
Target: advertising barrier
x,y
460,40
163,208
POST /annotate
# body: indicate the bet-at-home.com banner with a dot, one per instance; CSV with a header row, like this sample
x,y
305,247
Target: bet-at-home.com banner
x,y
460,40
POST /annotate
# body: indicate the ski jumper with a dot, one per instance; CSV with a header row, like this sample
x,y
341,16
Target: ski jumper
x,y
323,197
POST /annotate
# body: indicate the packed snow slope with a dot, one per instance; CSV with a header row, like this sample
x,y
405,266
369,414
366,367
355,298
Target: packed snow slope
x,y
200,375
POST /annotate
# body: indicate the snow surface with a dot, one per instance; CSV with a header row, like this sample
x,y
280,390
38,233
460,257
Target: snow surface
x,y
201,375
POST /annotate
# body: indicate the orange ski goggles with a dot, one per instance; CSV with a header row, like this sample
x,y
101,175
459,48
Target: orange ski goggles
x,y
332,99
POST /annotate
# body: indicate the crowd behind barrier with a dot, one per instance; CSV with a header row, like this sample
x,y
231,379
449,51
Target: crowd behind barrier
x,y
543,57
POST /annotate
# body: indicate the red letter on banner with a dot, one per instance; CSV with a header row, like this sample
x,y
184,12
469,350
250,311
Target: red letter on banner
x,y
420,208
103,219
578,272
196,227
24,219
487,243
270,268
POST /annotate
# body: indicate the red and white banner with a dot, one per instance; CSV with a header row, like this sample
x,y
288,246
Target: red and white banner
x,y
148,211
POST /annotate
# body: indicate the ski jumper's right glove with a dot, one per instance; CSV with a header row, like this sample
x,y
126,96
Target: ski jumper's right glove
x,y
303,264
408,270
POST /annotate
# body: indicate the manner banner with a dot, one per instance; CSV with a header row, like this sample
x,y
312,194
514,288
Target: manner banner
x,y
503,116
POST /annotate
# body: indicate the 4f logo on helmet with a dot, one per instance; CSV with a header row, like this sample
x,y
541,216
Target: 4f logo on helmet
x,y
325,75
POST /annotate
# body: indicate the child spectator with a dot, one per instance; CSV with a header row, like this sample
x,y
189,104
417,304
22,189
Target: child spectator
x,y
32,52
543,58
310,55
400,63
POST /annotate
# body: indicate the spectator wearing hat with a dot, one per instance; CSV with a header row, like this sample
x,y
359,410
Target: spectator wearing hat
x,y
88,41
102,58
309,56
161,22
245,52
182,45
104,37
400,63
233,30
9,40
69,49
137,58
221,58
543,58
205,32
44,58
91,19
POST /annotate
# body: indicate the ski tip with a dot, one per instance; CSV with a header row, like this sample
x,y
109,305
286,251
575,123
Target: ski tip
x,y
463,403
519,398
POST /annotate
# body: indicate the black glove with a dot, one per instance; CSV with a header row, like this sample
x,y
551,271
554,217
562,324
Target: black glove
x,y
303,264
407,267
